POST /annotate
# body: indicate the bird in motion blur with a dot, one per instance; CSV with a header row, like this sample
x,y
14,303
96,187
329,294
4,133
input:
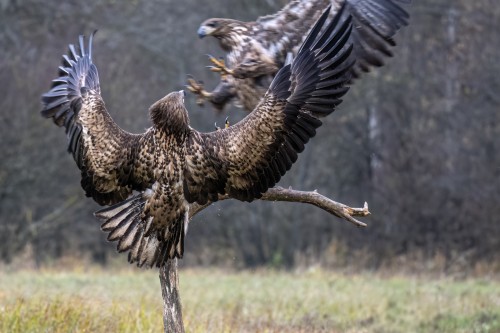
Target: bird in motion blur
x,y
149,181
257,50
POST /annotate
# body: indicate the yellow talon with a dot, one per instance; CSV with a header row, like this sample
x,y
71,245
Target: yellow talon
x,y
226,124
196,87
219,67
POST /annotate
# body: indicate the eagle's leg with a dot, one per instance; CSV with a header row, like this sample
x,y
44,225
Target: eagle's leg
x,y
219,66
196,87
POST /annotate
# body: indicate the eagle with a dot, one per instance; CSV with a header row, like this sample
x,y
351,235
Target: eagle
x,y
149,181
257,50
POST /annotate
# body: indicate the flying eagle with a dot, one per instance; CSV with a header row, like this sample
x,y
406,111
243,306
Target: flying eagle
x,y
257,50
151,179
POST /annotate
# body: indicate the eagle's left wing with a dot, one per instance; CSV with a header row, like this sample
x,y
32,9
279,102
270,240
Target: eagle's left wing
x,y
112,161
246,159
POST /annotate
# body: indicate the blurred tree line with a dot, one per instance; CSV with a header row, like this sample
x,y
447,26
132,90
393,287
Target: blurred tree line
x,y
417,139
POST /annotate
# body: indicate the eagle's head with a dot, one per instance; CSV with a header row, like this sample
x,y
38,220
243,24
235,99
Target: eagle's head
x,y
227,31
170,114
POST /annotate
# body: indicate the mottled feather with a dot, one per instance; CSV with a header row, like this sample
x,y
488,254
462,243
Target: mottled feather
x,y
149,180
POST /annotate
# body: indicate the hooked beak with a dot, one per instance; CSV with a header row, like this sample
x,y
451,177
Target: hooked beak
x,y
202,32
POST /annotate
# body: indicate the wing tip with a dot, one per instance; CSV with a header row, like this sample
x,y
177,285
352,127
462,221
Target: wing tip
x,y
77,67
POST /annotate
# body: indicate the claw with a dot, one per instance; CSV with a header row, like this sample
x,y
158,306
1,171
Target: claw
x,y
196,87
226,124
219,66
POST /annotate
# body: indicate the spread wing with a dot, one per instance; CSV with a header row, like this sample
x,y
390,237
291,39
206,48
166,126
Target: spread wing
x,y
375,22
112,162
246,159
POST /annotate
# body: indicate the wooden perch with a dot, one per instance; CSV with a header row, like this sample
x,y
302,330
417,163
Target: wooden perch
x,y
311,197
318,200
172,310
169,279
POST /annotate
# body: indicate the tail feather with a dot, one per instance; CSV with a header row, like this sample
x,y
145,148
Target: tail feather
x,y
148,253
120,230
126,241
146,245
115,214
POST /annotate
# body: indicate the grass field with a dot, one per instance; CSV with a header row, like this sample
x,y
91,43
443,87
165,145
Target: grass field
x,y
264,301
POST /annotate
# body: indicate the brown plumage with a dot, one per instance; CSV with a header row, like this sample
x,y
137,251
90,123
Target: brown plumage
x,y
151,179
257,50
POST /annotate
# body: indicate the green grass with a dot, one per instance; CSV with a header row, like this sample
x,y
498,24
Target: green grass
x,y
264,301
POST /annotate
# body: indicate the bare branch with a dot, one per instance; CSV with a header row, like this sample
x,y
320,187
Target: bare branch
x,y
310,197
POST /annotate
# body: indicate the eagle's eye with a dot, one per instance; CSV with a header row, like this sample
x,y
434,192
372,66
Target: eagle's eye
x,y
212,24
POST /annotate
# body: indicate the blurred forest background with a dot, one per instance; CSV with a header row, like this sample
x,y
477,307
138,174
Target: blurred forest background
x,y
418,139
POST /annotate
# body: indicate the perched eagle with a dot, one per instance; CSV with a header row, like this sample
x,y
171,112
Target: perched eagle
x,y
151,179
257,50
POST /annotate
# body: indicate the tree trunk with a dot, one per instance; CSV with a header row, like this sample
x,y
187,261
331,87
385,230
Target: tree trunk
x,y
172,309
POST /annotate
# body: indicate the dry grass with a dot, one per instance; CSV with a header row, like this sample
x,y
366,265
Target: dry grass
x,y
265,301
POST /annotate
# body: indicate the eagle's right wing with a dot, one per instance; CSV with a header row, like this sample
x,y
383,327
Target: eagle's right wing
x,y
112,162
246,159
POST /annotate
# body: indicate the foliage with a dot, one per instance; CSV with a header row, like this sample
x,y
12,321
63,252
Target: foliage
x,y
260,301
